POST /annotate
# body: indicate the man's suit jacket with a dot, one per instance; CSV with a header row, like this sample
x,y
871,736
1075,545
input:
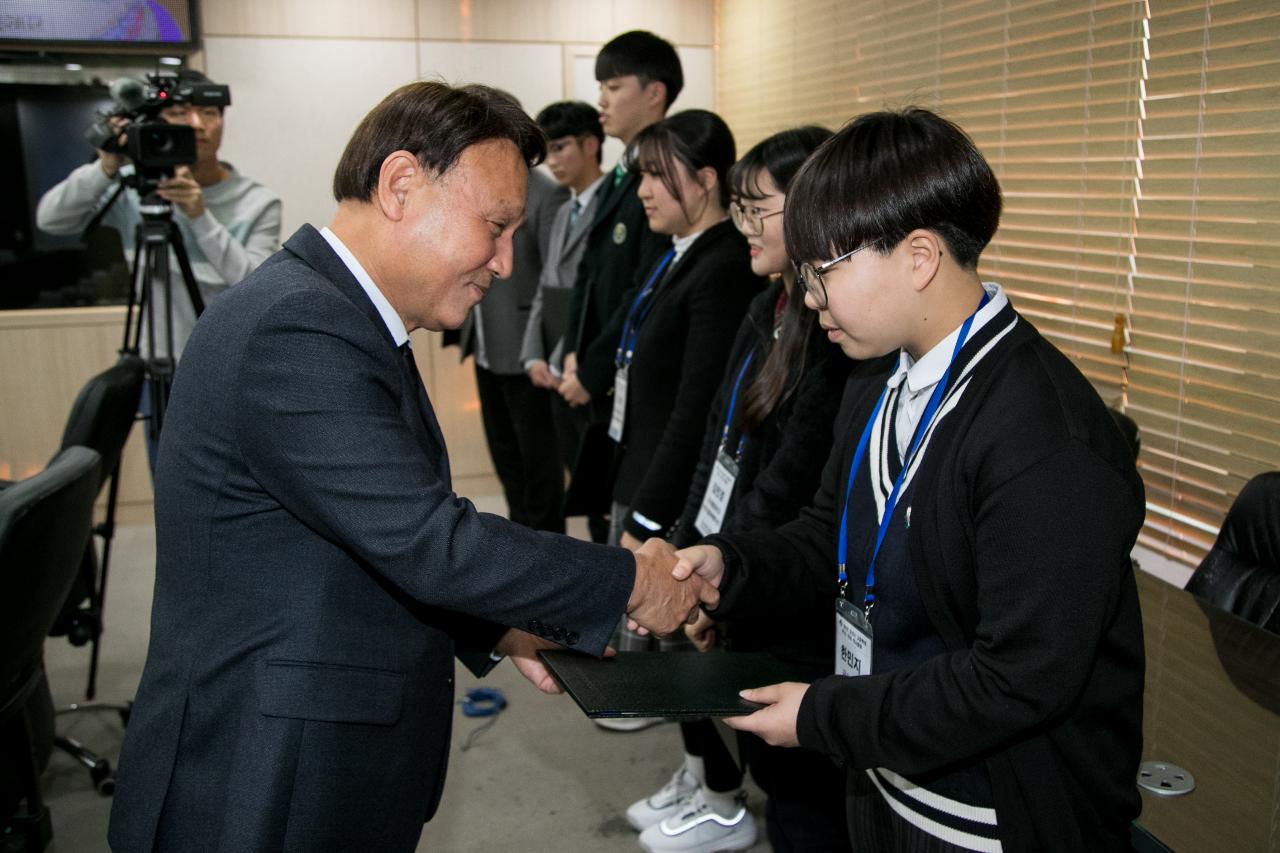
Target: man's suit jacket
x,y
620,247
505,311
314,571
559,269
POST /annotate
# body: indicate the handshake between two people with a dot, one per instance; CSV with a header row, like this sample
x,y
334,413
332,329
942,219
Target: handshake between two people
x,y
670,589
671,586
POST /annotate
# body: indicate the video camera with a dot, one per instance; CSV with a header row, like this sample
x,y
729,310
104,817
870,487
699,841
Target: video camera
x,y
154,145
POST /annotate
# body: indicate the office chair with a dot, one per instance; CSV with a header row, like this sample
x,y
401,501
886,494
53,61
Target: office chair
x,y
1241,572
44,526
101,418
1128,428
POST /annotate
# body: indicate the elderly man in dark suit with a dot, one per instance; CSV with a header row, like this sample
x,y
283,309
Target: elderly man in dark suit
x,y
316,574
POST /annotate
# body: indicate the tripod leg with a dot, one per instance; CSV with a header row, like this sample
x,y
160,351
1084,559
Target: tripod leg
x,y
107,531
184,265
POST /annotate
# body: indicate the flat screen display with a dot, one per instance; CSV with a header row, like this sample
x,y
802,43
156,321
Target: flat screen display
x,y
97,22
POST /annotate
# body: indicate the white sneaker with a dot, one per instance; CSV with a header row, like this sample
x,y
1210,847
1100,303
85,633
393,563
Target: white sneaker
x,y
628,724
697,828
645,813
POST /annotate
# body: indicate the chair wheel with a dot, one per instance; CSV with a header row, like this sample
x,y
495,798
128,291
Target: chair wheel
x,y
107,786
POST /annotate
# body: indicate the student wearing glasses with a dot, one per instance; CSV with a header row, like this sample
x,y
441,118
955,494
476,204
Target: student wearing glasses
x,y
970,540
766,440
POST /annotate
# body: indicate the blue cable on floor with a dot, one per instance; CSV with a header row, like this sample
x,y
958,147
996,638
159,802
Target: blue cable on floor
x,y
481,702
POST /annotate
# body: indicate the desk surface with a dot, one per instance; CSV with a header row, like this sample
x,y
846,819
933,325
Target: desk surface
x,y
1212,706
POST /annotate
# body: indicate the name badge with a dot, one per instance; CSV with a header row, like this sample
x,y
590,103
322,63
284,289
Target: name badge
x,y
853,639
619,418
716,499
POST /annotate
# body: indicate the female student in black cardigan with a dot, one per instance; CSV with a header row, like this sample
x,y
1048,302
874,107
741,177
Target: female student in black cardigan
x,y
970,540
766,441
764,446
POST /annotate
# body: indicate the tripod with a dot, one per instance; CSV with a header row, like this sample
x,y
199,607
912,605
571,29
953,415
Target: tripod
x,y
156,235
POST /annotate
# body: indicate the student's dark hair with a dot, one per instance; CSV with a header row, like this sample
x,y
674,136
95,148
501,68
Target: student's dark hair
x,y
780,156
572,118
436,122
884,175
692,140
645,55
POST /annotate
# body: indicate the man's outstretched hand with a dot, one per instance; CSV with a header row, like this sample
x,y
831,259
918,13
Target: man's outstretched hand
x,y
659,603
523,648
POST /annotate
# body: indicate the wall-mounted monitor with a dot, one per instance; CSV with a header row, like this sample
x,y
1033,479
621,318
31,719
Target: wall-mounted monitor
x,y
99,25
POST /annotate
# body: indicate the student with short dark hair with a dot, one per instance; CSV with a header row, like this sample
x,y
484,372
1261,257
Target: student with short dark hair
x,y
574,143
971,536
640,76
765,442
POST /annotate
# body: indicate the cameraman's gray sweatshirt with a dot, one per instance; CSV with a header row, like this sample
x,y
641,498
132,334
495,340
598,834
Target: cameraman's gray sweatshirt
x,y
240,228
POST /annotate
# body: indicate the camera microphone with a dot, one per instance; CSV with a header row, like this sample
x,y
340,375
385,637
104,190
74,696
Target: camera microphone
x,y
129,93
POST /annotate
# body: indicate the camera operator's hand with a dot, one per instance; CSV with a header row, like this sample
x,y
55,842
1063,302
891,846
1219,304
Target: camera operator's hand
x,y
109,160
184,192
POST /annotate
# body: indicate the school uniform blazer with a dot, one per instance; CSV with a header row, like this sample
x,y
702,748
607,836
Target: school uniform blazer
x,y
314,572
560,269
620,248
780,469
680,354
505,311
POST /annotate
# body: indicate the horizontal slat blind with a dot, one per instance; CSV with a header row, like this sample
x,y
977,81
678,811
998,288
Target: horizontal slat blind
x,y
1204,371
1136,145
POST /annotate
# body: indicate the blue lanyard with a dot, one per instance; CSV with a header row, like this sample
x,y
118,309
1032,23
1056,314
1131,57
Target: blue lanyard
x,y
733,404
636,314
842,548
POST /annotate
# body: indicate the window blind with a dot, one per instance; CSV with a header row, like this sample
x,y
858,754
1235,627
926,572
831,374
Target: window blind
x,y
1137,156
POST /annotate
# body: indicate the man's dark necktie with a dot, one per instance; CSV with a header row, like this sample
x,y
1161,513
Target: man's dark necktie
x,y
575,213
424,405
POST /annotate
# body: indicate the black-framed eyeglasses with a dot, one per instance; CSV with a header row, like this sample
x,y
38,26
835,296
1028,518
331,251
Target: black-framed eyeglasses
x,y
811,277
749,221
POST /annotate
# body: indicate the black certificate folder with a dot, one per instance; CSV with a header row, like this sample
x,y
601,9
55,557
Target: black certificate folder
x,y
678,685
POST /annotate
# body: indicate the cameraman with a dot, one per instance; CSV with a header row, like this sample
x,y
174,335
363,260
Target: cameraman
x,y
229,223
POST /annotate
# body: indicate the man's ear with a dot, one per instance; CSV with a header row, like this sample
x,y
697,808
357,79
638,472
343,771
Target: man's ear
x,y
655,95
591,147
924,250
395,178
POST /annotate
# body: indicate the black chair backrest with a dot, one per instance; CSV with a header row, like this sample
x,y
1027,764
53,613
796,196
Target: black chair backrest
x,y
1129,429
44,526
104,411
1241,573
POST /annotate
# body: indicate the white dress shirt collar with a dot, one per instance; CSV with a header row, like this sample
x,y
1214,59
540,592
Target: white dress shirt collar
x,y
584,198
925,373
388,314
921,376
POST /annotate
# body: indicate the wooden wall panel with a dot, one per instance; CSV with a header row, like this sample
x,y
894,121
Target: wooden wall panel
x,y
531,72
393,19
48,356
680,21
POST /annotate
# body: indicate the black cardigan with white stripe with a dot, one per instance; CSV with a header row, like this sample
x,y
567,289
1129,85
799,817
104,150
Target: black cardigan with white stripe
x,y
1021,551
